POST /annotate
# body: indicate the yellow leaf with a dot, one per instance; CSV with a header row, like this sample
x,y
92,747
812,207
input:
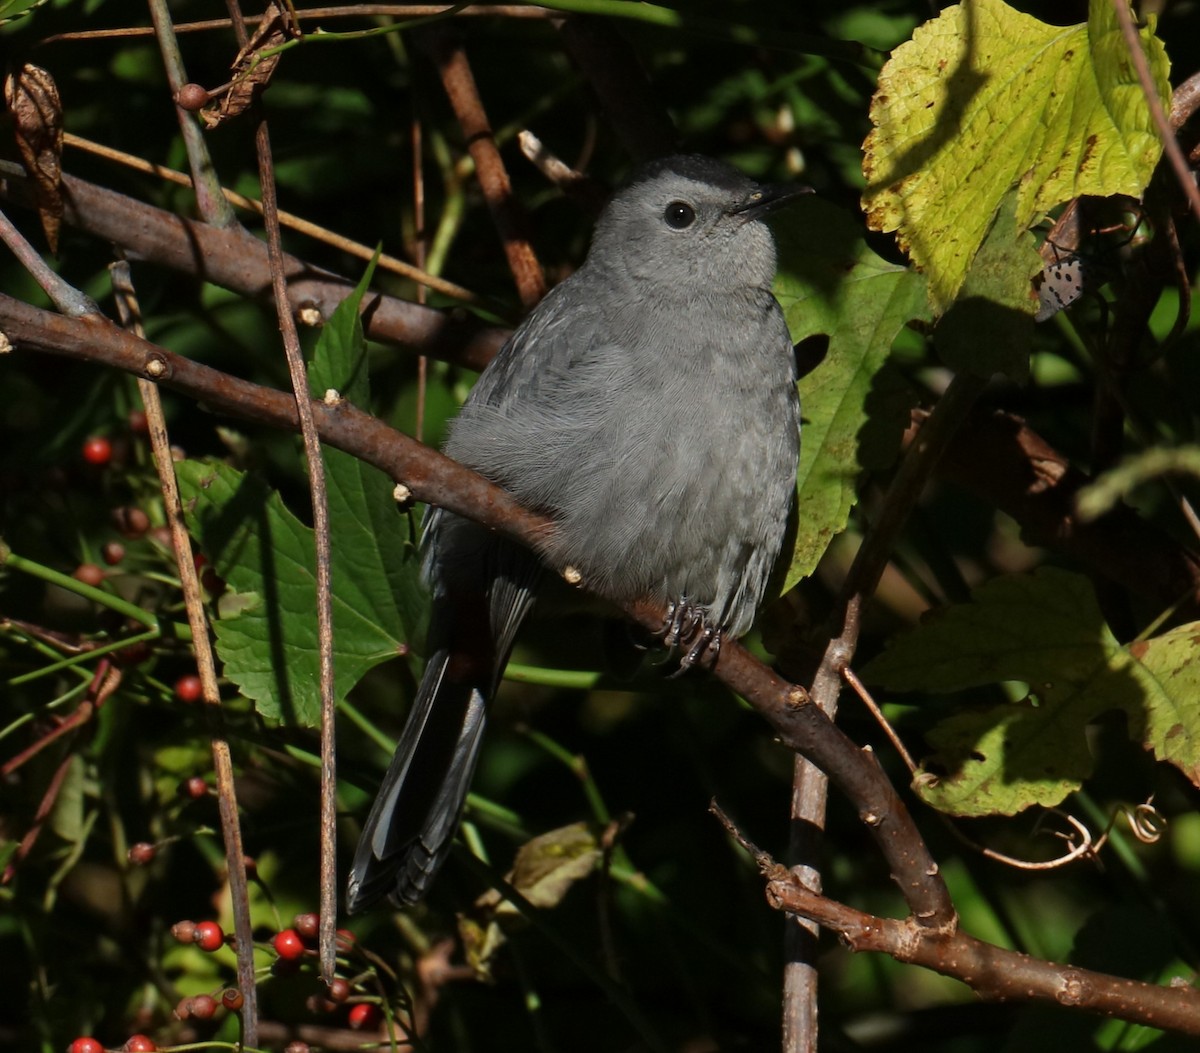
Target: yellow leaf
x,y
983,99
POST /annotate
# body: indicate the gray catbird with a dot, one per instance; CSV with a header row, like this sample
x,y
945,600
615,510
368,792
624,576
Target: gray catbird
x,y
648,405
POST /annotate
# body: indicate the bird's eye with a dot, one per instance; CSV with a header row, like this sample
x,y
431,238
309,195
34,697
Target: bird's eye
x,y
679,215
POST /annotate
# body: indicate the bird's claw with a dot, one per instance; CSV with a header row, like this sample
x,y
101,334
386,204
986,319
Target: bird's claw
x,y
685,627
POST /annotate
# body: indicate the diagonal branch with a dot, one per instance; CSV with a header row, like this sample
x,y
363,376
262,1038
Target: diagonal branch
x,y
435,479
235,259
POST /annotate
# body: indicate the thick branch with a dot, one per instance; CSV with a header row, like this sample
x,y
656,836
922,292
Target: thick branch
x,y
236,260
436,479
991,972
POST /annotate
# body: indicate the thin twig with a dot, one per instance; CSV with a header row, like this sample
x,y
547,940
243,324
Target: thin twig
x,y
189,580
235,259
209,199
1166,133
312,14
509,217
810,783
327,945
65,297
287,219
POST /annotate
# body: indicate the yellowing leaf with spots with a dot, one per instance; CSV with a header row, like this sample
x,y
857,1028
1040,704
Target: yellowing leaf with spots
x,y
983,99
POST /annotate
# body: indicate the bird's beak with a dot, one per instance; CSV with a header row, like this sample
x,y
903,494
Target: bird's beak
x,y
766,199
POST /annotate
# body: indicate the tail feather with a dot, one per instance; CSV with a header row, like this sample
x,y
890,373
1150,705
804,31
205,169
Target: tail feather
x,y
483,587
414,818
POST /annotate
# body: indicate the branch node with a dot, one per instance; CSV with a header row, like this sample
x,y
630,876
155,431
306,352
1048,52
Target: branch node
x,y
309,314
1074,988
332,397
796,696
157,367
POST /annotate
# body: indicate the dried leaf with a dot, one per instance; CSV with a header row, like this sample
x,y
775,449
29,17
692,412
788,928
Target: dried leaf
x,y
32,100
544,870
252,69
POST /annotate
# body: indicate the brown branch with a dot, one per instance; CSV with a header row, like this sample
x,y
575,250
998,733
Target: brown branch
x,y
435,479
992,972
236,260
312,14
446,47
928,937
809,790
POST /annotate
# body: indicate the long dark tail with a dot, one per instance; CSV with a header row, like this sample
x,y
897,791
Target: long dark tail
x,y
476,615
414,818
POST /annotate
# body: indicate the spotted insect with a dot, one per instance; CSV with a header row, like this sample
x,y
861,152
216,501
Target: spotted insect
x,y
1063,282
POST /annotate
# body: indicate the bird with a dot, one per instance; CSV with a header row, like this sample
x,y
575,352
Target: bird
x,y
648,406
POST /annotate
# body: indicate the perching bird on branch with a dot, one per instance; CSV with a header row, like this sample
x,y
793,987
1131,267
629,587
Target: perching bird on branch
x,y
647,405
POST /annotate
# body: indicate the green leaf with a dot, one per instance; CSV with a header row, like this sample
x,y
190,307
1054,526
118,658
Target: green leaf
x,y
267,633
989,329
983,99
855,407
1046,630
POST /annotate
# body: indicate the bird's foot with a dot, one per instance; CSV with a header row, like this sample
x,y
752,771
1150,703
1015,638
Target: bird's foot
x,y
686,627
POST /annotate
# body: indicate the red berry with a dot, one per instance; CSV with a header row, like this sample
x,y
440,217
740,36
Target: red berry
x,y
188,688
195,787
297,1047
142,854
184,931
231,999
192,97
203,1007
85,1045
209,936
308,925
89,574
288,944
112,552
345,939
131,521
140,1044
340,989
97,450
365,1016
138,424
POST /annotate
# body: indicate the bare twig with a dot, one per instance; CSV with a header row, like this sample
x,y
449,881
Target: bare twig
x,y
451,58
313,14
211,202
1166,133
189,580
66,298
809,787
235,259
992,972
298,374
290,220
